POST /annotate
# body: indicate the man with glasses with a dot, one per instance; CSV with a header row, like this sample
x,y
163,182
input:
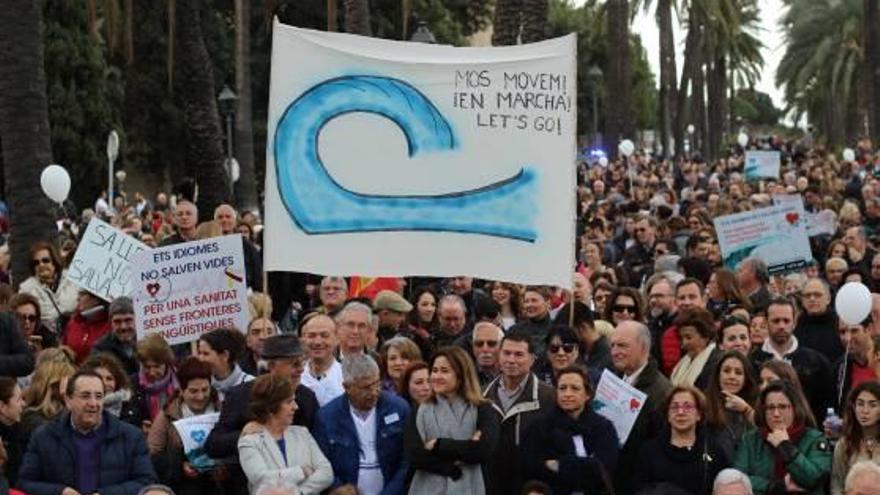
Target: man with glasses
x,y
361,433
817,325
332,293
638,259
661,313
86,450
522,398
486,347
122,339
284,357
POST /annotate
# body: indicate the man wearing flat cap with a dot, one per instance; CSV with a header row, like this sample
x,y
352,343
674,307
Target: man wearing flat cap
x,y
122,339
391,309
284,356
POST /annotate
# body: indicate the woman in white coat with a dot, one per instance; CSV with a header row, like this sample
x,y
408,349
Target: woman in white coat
x,y
271,450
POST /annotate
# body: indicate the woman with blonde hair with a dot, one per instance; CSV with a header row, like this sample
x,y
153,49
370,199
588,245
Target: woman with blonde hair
x,y
44,397
450,438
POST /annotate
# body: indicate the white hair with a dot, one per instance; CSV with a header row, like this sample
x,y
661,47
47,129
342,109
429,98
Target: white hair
x,y
452,299
859,470
732,476
495,327
358,366
356,306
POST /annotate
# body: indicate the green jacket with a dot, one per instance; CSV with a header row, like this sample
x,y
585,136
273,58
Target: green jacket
x,y
808,462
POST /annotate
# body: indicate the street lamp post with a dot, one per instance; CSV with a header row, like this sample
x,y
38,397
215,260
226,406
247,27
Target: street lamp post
x,y
595,75
227,99
422,34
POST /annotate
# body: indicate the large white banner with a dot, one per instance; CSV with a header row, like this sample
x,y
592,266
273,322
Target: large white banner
x,y
102,263
185,290
398,158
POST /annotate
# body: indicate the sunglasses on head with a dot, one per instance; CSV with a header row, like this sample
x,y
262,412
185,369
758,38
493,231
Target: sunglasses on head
x,y
567,348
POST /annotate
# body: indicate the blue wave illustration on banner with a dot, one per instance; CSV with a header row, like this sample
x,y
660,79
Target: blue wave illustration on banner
x,y
320,205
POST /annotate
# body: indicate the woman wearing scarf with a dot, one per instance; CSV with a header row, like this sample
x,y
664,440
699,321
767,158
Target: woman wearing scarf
x,y
451,437
572,449
195,397
49,284
786,454
156,382
221,349
696,329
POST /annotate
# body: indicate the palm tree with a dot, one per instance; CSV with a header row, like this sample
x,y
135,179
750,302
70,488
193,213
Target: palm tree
x,y
194,84
821,67
24,128
534,20
246,188
872,65
668,87
618,119
506,27
357,17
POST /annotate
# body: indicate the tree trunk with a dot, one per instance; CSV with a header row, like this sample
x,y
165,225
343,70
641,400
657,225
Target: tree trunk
x,y
716,86
667,74
357,17
534,17
246,187
24,129
194,81
506,27
331,16
698,97
681,113
872,66
618,119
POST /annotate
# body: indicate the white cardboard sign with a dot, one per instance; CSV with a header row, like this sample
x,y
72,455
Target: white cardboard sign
x,y
102,263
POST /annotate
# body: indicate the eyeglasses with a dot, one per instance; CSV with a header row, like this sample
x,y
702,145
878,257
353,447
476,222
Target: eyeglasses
x,y
27,318
682,407
812,295
624,308
486,343
781,408
567,348
42,261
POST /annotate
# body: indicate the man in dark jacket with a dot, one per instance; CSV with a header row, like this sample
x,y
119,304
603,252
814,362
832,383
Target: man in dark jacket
x,y
284,357
817,325
121,340
521,399
86,450
753,276
536,322
631,354
813,369
15,357
361,433
638,259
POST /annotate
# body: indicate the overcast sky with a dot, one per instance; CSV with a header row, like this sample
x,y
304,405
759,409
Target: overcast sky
x,y
771,11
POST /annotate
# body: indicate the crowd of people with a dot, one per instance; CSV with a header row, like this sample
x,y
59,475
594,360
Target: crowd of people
x,y
357,386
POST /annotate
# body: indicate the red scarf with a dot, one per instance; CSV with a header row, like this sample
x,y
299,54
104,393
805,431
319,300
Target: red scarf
x,y
795,432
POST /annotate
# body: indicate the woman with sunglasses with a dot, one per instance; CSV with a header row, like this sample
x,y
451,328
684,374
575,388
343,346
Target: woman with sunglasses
x,y
624,304
572,448
684,456
786,453
861,429
563,351
730,395
26,309
49,284
696,329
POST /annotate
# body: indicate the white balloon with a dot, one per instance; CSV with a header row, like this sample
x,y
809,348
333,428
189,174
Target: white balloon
x,y
742,139
626,147
603,161
853,303
55,182
849,155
